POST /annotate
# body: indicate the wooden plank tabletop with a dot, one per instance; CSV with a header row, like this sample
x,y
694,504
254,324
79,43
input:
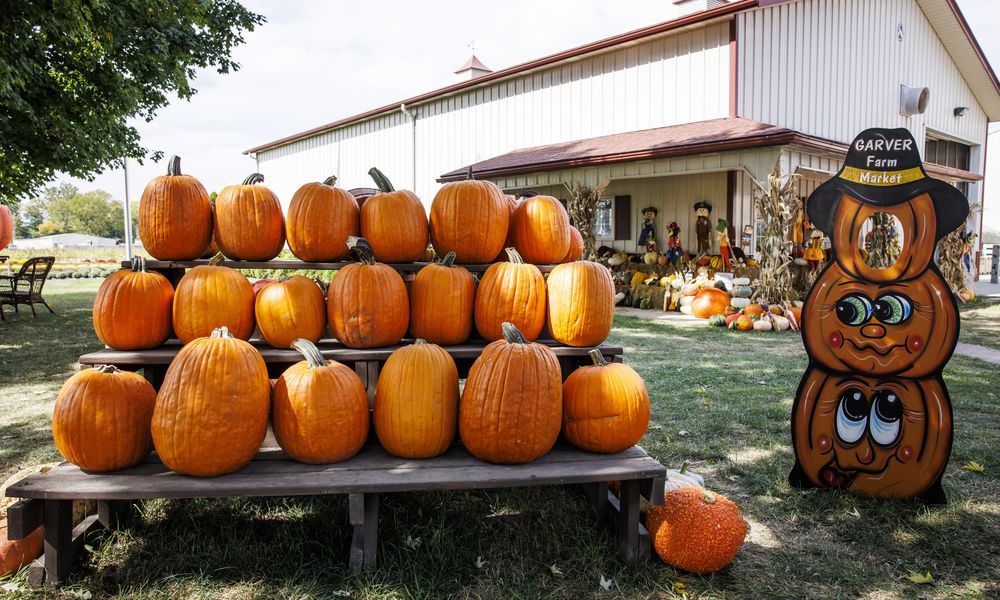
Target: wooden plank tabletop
x,y
373,470
298,264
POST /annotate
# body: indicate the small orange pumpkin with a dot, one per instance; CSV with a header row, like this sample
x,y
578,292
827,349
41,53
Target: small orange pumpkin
x,y
394,222
753,310
367,303
210,296
469,218
697,530
175,215
511,291
132,308
17,554
442,298
248,221
291,309
581,303
320,219
541,230
605,407
708,302
575,246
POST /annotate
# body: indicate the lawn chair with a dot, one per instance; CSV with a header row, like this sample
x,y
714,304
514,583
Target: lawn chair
x,y
26,286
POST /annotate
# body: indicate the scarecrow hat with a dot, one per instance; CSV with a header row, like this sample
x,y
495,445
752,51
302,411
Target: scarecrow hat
x,y
704,205
651,209
883,168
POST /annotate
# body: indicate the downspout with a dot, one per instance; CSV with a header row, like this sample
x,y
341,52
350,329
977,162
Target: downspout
x,y
413,143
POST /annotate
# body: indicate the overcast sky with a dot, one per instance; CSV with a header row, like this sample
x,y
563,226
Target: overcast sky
x,y
315,61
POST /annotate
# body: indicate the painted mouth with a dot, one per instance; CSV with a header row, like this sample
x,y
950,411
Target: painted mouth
x,y
877,350
833,477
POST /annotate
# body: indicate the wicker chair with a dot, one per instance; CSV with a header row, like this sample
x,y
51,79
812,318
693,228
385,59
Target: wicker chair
x,y
26,286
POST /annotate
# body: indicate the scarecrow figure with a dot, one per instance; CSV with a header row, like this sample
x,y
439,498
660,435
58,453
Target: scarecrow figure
x,y
722,227
674,252
702,226
647,236
814,254
968,240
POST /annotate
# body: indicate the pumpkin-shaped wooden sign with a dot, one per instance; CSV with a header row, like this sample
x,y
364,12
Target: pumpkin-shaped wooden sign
x,y
872,414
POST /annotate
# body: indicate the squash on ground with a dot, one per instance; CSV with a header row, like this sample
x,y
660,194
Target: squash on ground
x,y
696,530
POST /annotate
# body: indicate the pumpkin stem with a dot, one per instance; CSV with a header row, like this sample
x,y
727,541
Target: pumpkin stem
x,y
598,358
419,342
311,353
449,259
512,334
330,181
253,178
106,369
138,264
514,256
684,467
381,181
708,497
469,174
217,259
174,166
220,333
361,249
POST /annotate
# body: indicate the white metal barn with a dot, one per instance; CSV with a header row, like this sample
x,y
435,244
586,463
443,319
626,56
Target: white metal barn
x,y
698,108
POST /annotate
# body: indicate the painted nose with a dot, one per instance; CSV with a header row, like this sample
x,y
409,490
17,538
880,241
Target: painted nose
x,y
873,331
864,454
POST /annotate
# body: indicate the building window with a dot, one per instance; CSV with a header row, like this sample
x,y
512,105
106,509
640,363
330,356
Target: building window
x,y
946,153
602,219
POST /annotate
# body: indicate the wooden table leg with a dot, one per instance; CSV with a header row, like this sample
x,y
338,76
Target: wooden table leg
x,y
58,556
633,539
112,514
363,513
597,494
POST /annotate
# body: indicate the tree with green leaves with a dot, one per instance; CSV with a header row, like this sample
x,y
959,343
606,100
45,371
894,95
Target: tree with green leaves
x,y
73,73
65,209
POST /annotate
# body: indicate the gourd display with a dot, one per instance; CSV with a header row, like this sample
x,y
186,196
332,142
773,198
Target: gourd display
x,y
248,221
320,409
15,554
541,230
394,223
101,419
416,401
753,310
581,303
512,291
320,219
511,408
367,303
132,308
175,215
575,251
290,309
442,298
605,406
212,408
696,530
6,227
709,302
210,296
471,219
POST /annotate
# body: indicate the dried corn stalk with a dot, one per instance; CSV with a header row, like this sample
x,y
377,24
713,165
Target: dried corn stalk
x,y
778,208
949,258
583,214
882,243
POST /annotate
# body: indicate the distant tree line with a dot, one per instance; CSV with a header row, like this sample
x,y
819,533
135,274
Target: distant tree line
x,y
65,209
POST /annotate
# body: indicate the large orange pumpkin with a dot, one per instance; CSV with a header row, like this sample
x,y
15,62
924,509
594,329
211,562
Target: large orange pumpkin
x,y
511,203
248,221
541,230
132,308
698,531
367,303
511,408
291,309
416,401
442,298
16,554
175,215
510,291
6,227
210,296
581,303
394,223
605,407
320,409
211,412
575,251
469,218
320,219
708,302
101,419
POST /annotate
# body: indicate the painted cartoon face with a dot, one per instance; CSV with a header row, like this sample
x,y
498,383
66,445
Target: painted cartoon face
x,y
880,437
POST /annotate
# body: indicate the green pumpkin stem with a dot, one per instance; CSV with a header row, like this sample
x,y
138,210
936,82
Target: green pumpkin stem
x,y
514,256
220,333
253,178
381,181
512,334
217,260
106,369
174,166
138,264
598,358
330,181
361,249
684,468
449,259
314,358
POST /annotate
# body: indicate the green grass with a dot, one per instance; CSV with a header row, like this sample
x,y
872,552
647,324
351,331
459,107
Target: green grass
x,y
721,400
981,323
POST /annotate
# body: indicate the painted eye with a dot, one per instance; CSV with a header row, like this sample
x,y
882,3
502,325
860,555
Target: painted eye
x,y
892,309
852,416
854,309
886,417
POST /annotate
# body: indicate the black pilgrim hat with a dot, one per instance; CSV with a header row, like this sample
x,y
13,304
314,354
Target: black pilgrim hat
x,y
703,204
883,168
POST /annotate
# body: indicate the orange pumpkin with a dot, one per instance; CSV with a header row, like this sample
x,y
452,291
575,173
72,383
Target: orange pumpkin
x,y
575,246
581,303
6,227
211,412
175,215
605,407
416,401
101,419
697,530
442,298
753,310
210,296
132,308
394,223
17,554
512,379
248,221
511,204
510,291
541,230
320,219
367,303
708,302
469,218
320,409
291,309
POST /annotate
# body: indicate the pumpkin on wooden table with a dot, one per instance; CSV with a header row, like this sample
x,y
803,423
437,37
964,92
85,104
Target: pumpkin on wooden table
x,y
442,298
709,302
416,401
320,219
696,530
541,230
132,308
175,215
101,419
575,251
511,408
289,309
581,303
212,408
367,302
210,296
469,218
511,291
605,406
248,221
511,204
6,227
320,409
394,222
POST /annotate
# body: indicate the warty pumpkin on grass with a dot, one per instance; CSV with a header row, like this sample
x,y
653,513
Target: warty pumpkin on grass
x,y
320,409
175,215
581,303
605,406
132,309
248,221
367,302
696,530
416,401
394,222
101,419
442,298
541,230
511,408
210,296
211,411
469,218
320,219
511,291
290,309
